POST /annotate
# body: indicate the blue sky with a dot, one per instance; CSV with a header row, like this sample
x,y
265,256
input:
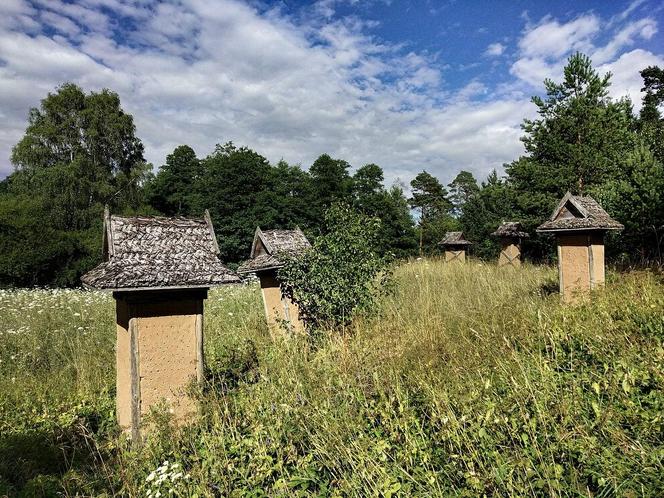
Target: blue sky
x,y
410,85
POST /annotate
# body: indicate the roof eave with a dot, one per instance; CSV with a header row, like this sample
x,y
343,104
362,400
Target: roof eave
x,y
587,229
258,270
159,288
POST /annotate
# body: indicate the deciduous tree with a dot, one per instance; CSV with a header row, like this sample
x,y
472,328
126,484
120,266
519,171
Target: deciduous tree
x,y
78,153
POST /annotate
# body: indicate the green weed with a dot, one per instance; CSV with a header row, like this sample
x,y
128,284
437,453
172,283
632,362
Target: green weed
x,y
472,380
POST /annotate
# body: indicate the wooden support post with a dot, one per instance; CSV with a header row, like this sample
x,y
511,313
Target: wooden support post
x,y
560,270
591,263
134,360
200,357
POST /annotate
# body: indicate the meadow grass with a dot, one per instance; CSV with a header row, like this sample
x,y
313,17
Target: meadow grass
x,y
468,380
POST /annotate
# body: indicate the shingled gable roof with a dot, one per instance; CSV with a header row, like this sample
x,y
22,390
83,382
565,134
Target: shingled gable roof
x,y
268,245
454,239
151,252
510,229
578,213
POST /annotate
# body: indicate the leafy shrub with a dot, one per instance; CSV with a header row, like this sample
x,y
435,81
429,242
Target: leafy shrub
x,y
229,364
338,278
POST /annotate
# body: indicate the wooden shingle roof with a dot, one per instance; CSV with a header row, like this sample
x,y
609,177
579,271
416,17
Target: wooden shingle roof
x,y
510,229
152,252
454,239
269,245
579,213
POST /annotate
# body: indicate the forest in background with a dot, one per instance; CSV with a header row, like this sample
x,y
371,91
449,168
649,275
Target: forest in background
x,y
80,152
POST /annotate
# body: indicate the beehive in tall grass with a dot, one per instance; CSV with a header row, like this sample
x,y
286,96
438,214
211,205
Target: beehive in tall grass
x,y
455,246
267,252
579,224
509,235
159,270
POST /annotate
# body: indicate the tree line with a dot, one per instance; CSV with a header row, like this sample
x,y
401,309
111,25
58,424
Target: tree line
x,y
80,152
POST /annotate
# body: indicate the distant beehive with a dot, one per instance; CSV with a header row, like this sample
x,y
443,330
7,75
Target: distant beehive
x,y
579,224
266,250
159,270
509,235
455,246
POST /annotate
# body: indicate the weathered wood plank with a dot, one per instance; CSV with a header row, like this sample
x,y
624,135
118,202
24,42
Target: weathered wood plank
x,y
135,379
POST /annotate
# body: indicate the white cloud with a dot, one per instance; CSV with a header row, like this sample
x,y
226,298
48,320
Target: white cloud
x,y
545,47
643,28
202,73
495,49
625,13
626,80
289,86
60,23
551,39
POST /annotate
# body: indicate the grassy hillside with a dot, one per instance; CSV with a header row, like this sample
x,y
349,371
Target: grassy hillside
x,y
469,380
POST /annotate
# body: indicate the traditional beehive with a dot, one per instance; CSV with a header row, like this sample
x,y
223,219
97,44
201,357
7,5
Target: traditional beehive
x,y
455,246
159,270
266,250
579,224
509,235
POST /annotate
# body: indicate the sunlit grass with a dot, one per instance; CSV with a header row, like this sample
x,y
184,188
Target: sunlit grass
x,y
469,379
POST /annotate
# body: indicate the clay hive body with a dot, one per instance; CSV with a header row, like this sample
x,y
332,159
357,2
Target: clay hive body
x,y
455,246
510,234
159,270
266,250
579,224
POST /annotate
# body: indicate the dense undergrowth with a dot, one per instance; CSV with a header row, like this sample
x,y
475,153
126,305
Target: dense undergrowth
x,y
471,380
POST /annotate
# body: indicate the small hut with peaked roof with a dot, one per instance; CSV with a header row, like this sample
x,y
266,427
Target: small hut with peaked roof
x,y
579,224
455,246
267,252
509,235
159,270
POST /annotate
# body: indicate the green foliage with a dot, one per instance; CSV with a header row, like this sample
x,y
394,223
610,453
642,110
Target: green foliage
x,y
430,197
291,194
235,187
651,123
484,211
463,189
581,135
396,235
79,153
367,183
637,201
338,278
653,86
471,381
330,183
172,191
579,143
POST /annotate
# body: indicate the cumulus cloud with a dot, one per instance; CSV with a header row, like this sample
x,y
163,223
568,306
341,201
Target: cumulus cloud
x,y
551,39
495,49
545,46
199,72
623,81
290,85
643,28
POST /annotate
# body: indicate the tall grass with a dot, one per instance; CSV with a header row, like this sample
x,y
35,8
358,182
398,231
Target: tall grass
x,y
468,380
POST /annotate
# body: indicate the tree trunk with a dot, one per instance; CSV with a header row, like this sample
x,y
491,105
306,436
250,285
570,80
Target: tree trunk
x,y
421,230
